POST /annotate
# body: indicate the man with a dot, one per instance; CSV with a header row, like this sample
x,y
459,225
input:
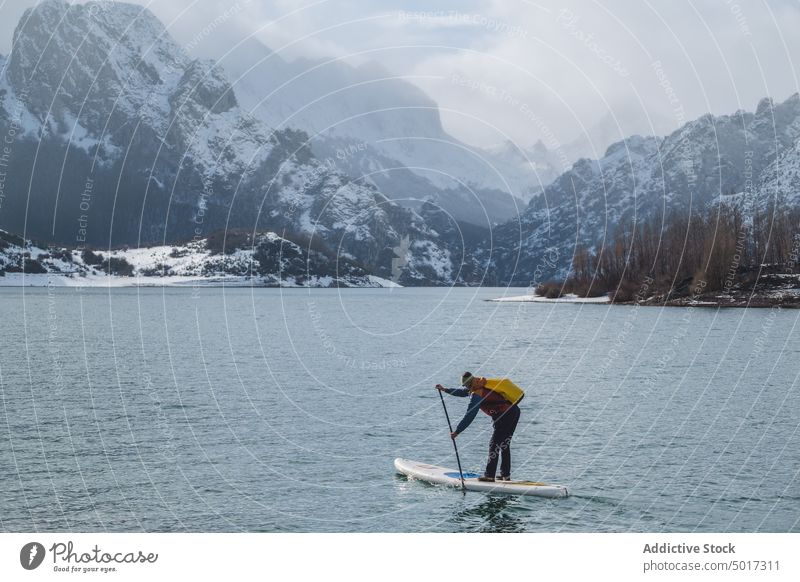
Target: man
x,y
497,397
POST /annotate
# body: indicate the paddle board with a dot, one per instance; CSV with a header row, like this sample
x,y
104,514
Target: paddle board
x,y
450,477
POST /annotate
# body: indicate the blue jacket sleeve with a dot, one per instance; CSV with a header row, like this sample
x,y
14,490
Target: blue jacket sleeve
x,y
457,391
472,411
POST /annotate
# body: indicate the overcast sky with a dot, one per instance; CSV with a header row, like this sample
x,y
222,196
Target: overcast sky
x,y
525,70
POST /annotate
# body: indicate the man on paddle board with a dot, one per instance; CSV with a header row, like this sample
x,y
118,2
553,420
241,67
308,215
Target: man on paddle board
x,y
497,397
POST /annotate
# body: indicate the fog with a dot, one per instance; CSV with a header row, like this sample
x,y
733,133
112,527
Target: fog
x,y
523,70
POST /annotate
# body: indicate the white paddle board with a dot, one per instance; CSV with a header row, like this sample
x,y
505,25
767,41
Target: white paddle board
x,y
451,478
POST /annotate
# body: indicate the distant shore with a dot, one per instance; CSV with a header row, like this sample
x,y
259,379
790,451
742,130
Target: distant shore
x,y
14,280
568,298
789,298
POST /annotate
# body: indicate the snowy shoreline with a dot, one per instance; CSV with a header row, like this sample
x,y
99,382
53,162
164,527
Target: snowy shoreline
x,y
766,300
262,260
568,298
12,280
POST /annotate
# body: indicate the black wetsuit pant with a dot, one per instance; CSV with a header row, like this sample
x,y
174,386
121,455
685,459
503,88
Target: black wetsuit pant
x,y
500,445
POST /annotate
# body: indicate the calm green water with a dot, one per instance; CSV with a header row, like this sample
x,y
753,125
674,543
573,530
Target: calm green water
x,y
282,410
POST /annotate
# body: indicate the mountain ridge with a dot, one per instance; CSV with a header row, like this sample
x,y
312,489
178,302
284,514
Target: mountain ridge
x,y
585,207
125,133
120,137
396,125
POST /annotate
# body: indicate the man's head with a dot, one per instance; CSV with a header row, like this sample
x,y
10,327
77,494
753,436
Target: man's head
x,y
466,379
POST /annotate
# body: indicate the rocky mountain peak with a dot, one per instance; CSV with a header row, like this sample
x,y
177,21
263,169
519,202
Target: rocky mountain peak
x,y
635,144
105,58
207,86
764,107
144,144
643,176
539,147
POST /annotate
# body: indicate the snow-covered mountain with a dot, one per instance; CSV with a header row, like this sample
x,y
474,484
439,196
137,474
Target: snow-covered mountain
x,y
780,181
384,130
750,153
114,136
120,137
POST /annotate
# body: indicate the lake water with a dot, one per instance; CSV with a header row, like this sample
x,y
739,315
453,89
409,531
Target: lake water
x,y
219,409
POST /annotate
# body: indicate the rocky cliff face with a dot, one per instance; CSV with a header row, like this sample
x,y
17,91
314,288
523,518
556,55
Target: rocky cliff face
x,y
384,130
113,135
227,258
119,137
741,155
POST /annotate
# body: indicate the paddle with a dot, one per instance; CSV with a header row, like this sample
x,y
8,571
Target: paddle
x,y
455,447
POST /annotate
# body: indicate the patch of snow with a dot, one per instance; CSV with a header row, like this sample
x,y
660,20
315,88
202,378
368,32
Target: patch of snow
x,y
381,282
568,298
181,265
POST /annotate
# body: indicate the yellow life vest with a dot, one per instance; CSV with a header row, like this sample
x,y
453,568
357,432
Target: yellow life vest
x,y
505,388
